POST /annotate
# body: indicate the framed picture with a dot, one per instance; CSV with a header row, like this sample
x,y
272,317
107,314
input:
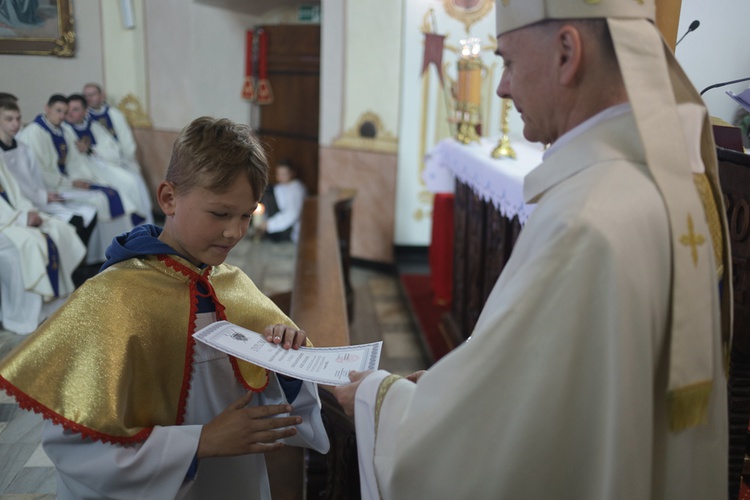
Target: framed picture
x,y
37,27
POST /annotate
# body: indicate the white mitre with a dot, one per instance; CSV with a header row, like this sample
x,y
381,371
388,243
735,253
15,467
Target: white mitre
x,y
655,85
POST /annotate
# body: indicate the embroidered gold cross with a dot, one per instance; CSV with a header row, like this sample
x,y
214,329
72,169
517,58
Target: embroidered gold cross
x,y
692,240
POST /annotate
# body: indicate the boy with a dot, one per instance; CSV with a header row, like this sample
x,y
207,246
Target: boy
x,y
162,416
288,196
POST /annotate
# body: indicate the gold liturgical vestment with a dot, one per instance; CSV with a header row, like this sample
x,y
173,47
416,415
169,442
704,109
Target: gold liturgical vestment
x,y
116,360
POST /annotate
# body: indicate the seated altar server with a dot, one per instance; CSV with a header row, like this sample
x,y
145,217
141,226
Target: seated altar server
x,y
595,370
96,143
38,255
74,176
135,407
288,197
25,169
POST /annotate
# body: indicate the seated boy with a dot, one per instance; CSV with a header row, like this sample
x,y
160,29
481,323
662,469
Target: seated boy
x,y
284,207
136,408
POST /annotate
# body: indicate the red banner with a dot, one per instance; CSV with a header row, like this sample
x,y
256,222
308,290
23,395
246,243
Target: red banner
x,y
265,94
248,86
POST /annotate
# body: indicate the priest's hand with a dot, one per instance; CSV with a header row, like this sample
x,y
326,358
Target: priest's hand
x,y
81,184
240,430
34,220
288,336
414,377
345,393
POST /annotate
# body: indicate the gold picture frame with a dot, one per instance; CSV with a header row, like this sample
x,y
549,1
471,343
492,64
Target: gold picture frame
x,y
468,11
48,30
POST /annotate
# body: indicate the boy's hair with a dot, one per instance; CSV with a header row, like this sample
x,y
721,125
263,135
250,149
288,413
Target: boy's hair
x,y
5,96
212,152
9,105
57,98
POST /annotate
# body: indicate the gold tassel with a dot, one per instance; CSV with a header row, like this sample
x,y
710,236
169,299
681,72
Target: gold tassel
x,y
688,406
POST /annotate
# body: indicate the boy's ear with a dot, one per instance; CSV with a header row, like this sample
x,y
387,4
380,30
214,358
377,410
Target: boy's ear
x,y
165,195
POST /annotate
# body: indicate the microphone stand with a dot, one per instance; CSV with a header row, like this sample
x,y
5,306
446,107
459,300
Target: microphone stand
x,y
716,85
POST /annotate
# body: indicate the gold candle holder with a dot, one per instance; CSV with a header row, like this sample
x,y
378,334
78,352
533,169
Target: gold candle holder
x,y
468,99
503,148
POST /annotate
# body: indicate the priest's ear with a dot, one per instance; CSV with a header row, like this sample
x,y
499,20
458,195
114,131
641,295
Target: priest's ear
x,y
165,195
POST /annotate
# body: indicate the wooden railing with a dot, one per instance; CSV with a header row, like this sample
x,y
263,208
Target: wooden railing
x,y
320,302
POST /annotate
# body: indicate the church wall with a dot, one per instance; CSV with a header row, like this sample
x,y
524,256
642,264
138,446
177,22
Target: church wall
x,y
716,51
34,78
360,96
186,58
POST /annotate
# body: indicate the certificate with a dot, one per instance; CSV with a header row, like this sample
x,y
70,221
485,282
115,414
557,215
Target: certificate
x,y
323,365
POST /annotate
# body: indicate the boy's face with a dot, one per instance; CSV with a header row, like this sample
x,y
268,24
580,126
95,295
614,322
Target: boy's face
x,y
55,114
283,174
10,124
203,226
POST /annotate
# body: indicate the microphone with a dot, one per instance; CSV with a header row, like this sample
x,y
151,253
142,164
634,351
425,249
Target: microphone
x,y
723,84
693,26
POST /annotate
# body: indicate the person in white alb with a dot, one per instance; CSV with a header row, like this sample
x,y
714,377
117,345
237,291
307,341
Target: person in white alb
x,y
74,175
38,255
21,163
596,367
95,141
288,197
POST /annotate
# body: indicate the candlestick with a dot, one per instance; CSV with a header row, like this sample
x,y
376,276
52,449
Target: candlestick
x,y
504,149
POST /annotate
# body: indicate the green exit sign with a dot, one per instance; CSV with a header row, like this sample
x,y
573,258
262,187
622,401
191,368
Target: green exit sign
x,y
308,13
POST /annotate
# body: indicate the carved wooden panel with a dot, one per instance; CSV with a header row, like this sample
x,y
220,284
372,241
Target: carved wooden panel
x,y
483,241
734,175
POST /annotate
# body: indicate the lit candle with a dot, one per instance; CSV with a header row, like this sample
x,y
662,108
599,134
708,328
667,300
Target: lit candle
x,y
259,215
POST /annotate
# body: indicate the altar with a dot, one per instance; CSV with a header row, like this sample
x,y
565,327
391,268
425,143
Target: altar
x,y
468,252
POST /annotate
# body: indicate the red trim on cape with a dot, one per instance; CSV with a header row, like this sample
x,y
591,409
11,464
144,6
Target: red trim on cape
x,y
220,314
27,403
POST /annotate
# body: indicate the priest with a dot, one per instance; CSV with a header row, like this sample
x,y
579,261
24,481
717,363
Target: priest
x,y
596,367
38,255
74,176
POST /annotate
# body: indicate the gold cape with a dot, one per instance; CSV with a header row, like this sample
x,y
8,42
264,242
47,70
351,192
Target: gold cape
x,y
116,359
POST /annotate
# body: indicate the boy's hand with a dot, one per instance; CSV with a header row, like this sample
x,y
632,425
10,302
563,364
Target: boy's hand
x,y
286,335
240,431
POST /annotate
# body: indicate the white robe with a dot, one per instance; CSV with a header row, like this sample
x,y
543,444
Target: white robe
x,y
78,167
125,138
560,392
28,174
116,169
289,198
31,251
157,468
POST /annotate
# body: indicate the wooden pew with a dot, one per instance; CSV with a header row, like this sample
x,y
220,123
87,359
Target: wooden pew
x,y
320,302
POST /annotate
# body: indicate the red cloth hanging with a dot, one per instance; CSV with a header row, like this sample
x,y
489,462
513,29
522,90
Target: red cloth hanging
x,y
265,94
441,249
248,87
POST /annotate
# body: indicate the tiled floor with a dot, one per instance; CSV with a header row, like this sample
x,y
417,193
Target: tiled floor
x,y
380,314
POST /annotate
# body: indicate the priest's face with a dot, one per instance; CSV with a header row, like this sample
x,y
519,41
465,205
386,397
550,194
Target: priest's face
x,y
55,114
203,225
76,112
528,79
93,95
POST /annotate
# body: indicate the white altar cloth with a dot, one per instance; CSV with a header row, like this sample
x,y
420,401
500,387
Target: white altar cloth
x,y
497,180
